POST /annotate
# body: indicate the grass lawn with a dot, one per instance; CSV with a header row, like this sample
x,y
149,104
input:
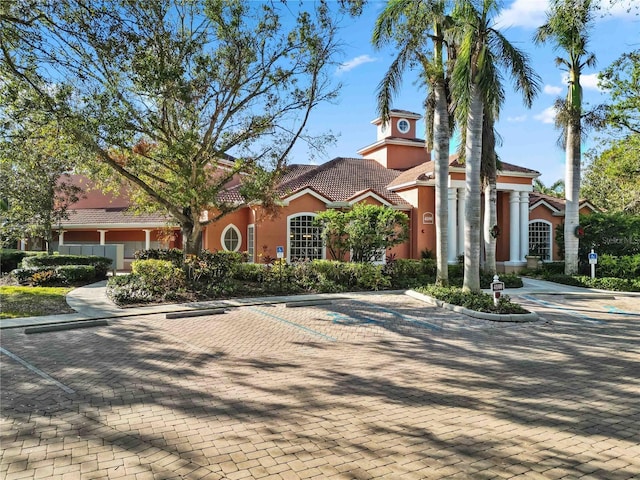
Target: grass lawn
x,y
33,301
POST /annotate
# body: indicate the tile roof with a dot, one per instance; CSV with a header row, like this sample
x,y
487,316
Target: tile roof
x,y
426,170
341,178
112,216
338,180
555,202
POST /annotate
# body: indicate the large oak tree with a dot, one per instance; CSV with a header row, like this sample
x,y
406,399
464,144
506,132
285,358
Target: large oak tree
x,y
178,98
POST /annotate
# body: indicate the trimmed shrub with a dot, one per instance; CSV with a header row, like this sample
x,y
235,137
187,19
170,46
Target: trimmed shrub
x,y
44,278
10,259
251,272
76,273
127,289
158,276
101,264
611,283
368,276
407,273
477,301
212,267
174,255
25,274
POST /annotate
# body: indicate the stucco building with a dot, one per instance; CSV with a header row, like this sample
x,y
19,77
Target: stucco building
x,y
395,171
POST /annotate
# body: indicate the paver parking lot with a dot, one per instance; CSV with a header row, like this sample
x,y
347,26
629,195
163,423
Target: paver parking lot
x,y
373,386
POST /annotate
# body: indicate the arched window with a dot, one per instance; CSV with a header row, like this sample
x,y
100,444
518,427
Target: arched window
x,y
305,240
540,241
231,238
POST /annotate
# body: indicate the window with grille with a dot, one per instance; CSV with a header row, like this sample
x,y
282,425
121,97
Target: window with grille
x,y
305,241
231,239
251,243
540,239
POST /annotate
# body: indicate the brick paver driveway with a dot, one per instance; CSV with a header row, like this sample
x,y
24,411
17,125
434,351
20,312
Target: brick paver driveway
x,y
378,386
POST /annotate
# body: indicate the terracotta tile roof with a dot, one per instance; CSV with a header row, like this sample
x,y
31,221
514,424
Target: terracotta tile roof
x,y
338,180
426,170
112,216
402,112
341,178
555,202
418,173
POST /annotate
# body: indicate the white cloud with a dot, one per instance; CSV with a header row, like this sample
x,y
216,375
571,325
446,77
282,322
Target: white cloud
x,y
552,90
355,62
518,119
532,13
590,81
523,13
548,115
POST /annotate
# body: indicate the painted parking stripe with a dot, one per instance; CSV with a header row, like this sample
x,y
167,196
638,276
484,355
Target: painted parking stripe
x,y
37,371
406,318
571,312
294,324
617,311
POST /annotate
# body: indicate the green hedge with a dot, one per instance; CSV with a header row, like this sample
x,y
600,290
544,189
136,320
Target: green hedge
x,y
477,301
101,264
10,259
51,275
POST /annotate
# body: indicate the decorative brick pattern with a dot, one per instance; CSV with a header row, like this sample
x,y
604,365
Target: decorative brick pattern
x,y
376,386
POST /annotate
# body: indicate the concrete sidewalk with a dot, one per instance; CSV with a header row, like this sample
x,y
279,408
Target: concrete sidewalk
x,y
91,302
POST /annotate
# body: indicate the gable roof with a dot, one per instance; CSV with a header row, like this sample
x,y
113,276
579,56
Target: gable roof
x,y
425,171
114,218
556,204
338,180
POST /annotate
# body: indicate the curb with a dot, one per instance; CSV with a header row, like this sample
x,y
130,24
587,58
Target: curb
x,y
493,317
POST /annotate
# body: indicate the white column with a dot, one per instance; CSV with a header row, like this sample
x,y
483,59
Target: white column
x,y
147,238
461,205
514,227
61,237
452,242
524,225
102,236
23,244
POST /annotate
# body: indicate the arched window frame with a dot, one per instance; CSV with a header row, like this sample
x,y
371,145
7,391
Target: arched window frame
x,y
550,239
291,217
231,226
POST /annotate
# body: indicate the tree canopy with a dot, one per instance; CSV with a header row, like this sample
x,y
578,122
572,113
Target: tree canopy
x,y
176,98
366,231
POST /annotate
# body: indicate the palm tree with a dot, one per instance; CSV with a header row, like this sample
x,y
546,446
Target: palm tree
x,y
415,26
568,22
555,190
476,83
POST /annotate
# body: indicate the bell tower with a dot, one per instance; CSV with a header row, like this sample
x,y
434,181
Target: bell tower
x,y
396,146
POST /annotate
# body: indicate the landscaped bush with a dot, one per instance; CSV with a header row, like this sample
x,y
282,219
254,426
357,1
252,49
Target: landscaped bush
x,y
611,283
407,273
45,278
621,267
250,272
128,289
174,255
477,301
10,259
158,276
101,264
212,267
25,275
76,273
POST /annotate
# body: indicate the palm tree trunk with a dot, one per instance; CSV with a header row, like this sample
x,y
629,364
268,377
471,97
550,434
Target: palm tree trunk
x,y
473,154
441,167
572,195
490,219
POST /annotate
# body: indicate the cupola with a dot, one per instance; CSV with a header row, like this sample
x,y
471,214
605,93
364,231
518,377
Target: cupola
x,y
397,146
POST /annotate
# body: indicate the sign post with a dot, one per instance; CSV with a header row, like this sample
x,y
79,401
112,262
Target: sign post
x,y
593,261
497,287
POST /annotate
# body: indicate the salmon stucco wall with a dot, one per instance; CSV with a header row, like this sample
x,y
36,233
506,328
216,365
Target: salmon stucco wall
x,y
271,232
212,237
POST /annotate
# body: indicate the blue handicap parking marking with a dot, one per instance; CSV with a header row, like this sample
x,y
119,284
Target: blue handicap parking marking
x,y
355,319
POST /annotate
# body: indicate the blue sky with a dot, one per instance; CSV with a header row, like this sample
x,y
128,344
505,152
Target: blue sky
x,y
529,137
